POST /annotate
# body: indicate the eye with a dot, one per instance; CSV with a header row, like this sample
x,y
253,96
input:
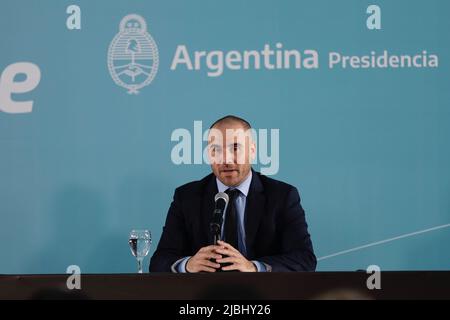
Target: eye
x,y
215,149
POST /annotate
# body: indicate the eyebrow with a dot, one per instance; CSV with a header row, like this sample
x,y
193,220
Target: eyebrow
x,y
214,145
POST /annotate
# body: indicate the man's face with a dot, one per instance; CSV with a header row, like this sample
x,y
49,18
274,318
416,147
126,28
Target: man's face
x,y
231,149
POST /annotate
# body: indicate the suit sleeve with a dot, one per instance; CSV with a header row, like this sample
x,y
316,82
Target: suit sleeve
x,y
296,251
172,245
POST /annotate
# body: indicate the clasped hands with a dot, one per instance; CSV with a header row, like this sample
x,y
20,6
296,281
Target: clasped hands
x,y
222,253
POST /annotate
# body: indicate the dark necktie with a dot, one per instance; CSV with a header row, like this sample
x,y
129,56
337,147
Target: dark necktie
x,y
230,228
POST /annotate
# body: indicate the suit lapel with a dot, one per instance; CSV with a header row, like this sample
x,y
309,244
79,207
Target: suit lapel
x,y
254,210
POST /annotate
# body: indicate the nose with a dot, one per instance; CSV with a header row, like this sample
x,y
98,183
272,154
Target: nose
x,y
229,156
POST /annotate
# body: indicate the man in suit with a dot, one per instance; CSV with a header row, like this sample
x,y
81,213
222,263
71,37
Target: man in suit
x,y
264,226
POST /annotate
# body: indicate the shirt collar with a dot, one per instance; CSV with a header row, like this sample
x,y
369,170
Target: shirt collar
x,y
243,187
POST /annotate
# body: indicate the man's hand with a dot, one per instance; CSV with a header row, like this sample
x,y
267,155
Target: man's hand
x,y
239,262
201,260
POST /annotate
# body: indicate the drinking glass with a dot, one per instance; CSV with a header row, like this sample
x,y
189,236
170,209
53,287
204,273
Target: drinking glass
x,y
140,241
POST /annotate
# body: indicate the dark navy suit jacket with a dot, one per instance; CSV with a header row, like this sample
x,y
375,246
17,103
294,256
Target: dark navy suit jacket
x,y
275,225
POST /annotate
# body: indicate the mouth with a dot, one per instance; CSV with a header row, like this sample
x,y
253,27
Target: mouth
x,y
228,171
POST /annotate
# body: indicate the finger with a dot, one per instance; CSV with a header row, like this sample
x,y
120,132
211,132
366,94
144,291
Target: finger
x,y
227,245
207,269
209,255
229,253
208,248
207,263
219,248
231,267
224,244
228,259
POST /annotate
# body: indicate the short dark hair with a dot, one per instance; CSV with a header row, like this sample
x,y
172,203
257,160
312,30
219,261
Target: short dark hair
x,y
230,118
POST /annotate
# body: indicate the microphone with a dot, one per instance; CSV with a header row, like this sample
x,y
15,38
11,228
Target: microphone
x,y
221,203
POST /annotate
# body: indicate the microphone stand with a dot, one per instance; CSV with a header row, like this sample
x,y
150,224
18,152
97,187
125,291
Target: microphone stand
x,y
216,226
216,230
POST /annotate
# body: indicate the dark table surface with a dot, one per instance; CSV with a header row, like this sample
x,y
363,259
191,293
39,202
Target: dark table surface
x,y
273,286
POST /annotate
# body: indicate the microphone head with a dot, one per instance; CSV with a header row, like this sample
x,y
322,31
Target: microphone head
x,y
221,203
221,195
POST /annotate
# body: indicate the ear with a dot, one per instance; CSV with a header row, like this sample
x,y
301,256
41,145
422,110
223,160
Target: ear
x,y
252,150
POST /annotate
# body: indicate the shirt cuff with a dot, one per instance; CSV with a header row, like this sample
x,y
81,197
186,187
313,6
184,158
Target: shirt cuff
x,y
260,267
180,265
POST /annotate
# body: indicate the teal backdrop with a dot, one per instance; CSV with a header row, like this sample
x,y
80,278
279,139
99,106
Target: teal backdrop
x,y
368,148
